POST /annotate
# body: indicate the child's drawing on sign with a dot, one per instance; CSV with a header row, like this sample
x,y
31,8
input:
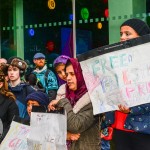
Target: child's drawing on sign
x,y
53,135
132,76
91,81
109,83
118,77
115,98
16,138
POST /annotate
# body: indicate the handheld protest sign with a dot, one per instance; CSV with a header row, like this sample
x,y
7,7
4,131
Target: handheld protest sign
x,y
58,110
16,138
39,109
48,130
118,74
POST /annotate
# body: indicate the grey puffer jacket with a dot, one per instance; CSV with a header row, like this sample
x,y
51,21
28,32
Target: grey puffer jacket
x,y
80,119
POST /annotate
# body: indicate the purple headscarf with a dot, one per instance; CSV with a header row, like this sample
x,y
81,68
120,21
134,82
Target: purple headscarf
x,y
74,96
60,59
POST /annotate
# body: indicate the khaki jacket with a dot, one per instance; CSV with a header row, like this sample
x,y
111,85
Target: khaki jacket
x,y
80,119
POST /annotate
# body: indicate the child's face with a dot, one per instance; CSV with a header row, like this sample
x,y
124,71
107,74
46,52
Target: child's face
x,y
127,33
31,103
13,73
60,70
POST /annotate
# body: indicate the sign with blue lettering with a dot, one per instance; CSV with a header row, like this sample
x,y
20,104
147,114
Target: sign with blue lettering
x,y
118,74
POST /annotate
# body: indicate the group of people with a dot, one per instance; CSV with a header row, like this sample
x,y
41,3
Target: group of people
x,y
67,89
16,83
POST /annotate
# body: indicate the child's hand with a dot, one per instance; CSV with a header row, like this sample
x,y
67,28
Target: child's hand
x,y
124,109
52,105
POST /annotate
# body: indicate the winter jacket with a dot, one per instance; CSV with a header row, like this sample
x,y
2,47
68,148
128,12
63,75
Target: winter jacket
x,y
137,120
61,92
80,119
21,91
8,109
50,78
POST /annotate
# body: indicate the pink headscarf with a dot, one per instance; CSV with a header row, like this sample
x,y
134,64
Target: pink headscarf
x,y
74,96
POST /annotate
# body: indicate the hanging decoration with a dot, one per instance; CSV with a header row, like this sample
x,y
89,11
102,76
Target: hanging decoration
x,y
71,17
99,25
50,46
85,13
51,4
106,13
31,32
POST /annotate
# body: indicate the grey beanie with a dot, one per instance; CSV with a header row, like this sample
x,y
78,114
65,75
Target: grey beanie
x,y
138,25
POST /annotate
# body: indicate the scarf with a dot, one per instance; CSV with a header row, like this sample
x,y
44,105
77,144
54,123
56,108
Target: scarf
x,y
74,96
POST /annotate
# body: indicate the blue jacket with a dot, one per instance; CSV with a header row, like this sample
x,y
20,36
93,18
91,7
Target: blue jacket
x,y
21,91
51,79
138,119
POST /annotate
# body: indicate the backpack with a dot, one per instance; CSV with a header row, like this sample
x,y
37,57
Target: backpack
x,y
46,77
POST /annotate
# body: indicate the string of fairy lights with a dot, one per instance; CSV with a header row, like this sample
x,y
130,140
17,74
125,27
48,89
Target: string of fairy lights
x,y
84,12
81,21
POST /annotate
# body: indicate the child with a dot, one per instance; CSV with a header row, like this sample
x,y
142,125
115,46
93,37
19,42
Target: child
x,y
34,82
37,98
16,69
59,66
81,121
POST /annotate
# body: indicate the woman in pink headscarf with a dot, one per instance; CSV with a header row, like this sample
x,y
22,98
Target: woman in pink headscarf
x,y
59,67
79,109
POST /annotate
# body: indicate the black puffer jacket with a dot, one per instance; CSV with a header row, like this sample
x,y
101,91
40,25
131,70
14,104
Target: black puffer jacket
x,y
8,108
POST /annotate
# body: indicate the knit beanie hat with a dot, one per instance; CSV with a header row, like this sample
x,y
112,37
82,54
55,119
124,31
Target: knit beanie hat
x,y
60,59
138,25
38,96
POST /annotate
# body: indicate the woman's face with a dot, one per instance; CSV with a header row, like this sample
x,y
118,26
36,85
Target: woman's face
x,y
60,70
31,103
13,73
127,33
71,78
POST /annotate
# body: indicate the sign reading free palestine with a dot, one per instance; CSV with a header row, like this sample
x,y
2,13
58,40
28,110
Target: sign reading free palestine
x,y
118,74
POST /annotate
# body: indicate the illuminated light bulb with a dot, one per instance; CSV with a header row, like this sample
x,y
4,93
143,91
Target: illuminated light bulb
x,y
51,4
85,13
99,25
106,13
71,17
31,32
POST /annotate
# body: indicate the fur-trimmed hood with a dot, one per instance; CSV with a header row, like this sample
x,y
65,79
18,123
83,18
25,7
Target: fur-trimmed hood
x,y
83,101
